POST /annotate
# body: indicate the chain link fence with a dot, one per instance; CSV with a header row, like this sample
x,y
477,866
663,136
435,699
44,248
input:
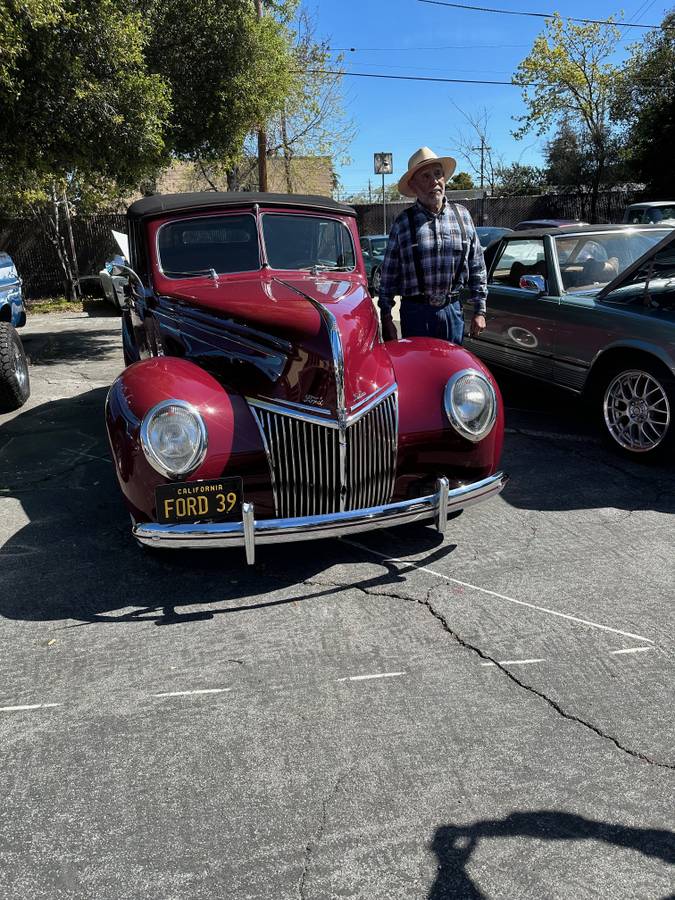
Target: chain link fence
x,y
506,212
38,263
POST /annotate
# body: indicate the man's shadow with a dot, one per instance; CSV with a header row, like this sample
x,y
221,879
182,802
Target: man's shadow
x,y
454,844
70,553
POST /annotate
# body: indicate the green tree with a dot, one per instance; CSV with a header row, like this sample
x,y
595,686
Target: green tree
x,y
567,75
644,103
460,182
228,71
519,179
82,117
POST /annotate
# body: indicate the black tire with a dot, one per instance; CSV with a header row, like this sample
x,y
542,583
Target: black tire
x,y
14,378
375,278
635,406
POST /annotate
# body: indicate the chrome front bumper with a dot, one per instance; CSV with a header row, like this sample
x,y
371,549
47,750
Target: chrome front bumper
x,y
250,532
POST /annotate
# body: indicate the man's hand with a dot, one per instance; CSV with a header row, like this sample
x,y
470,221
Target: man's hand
x,y
389,332
477,325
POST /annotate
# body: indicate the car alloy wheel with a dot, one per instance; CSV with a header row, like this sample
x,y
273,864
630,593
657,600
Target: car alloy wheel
x,y
14,378
637,411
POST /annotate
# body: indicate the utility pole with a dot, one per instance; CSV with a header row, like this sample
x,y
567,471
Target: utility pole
x,y
262,134
370,193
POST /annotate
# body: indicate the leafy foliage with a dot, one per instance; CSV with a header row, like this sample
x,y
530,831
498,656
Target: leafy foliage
x,y
227,71
462,181
645,102
567,76
519,179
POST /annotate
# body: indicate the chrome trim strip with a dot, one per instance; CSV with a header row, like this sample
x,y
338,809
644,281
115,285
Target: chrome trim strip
x,y
281,405
266,531
314,414
269,455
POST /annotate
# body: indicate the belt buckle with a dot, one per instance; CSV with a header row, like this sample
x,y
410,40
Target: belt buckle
x,y
438,300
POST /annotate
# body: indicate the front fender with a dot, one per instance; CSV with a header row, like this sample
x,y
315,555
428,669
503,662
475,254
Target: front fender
x,y
428,444
234,442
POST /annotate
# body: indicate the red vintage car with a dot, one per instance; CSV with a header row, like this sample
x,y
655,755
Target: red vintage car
x,y
259,403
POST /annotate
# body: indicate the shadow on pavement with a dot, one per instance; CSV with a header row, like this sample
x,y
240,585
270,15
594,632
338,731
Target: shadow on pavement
x,y
454,844
69,551
71,554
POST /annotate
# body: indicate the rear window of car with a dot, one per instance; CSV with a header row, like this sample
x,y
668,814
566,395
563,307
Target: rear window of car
x,y
305,242
206,244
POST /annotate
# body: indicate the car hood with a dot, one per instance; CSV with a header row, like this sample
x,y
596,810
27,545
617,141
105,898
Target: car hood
x,y
624,277
315,339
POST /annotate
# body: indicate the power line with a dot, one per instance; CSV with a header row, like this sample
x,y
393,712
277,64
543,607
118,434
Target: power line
x,y
538,15
406,77
403,49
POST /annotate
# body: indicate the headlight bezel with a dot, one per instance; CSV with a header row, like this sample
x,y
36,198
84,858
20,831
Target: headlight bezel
x,y
456,421
151,456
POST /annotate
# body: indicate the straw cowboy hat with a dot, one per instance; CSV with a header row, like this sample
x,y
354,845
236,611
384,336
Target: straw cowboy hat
x,y
423,157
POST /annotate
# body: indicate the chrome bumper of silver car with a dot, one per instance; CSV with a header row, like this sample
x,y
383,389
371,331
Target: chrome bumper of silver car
x,y
250,532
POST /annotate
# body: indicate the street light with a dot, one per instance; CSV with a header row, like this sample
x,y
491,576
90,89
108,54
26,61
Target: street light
x,y
384,165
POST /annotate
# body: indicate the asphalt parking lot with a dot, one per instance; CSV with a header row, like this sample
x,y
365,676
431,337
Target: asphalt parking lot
x,y
398,716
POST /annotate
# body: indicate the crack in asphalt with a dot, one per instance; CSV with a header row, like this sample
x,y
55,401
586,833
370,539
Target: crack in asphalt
x,y
313,844
426,602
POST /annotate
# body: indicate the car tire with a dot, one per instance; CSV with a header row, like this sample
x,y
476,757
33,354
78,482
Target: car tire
x,y
637,411
375,278
14,377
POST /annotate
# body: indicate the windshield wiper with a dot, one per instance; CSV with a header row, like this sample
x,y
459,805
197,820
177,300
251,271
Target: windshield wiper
x,y
196,273
320,268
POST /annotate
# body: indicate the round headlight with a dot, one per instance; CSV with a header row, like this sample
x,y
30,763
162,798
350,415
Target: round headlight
x,y
173,436
470,404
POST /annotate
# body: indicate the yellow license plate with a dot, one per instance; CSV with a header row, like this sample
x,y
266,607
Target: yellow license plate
x,y
218,500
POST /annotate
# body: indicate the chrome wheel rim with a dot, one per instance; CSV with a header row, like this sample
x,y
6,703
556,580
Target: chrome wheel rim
x,y
20,369
376,281
637,411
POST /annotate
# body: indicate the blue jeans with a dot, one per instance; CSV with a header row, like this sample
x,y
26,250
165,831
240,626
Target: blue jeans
x,y
423,320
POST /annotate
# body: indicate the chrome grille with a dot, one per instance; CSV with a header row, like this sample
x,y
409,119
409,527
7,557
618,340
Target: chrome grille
x,y
307,459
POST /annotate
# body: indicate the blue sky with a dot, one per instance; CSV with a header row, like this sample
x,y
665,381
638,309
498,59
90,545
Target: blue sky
x,y
424,39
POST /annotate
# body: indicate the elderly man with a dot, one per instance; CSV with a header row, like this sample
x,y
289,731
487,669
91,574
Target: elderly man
x,y
433,252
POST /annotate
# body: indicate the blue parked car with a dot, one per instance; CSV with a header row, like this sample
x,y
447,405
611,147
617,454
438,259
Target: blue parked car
x,y
14,379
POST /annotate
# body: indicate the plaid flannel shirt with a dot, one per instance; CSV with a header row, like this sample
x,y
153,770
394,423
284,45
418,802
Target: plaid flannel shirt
x,y
440,245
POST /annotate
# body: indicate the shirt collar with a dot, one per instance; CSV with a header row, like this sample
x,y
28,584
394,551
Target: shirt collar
x,y
430,215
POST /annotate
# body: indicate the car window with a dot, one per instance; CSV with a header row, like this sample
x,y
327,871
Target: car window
x,y
198,246
378,245
518,258
592,261
304,242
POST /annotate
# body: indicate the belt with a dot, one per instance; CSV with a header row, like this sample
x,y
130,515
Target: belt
x,y
425,300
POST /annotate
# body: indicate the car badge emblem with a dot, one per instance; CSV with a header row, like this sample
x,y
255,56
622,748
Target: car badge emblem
x,y
358,395
314,401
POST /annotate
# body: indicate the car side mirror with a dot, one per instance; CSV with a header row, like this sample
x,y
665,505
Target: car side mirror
x,y
534,283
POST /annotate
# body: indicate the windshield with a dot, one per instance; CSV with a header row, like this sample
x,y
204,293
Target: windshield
x,y
589,261
208,245
307,242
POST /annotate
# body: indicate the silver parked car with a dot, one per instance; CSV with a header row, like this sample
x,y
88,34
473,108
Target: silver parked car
x,y
591,310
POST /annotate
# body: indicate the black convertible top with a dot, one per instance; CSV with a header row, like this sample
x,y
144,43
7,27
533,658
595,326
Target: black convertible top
x,y
159,204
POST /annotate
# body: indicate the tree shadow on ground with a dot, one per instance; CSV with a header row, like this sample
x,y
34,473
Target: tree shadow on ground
x,y
69,553
455,844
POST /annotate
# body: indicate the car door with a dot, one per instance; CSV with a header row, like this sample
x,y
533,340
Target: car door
x,y
520,323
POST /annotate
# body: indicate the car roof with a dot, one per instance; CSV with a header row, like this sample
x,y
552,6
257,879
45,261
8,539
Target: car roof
x,y
650,203
578,229
159,204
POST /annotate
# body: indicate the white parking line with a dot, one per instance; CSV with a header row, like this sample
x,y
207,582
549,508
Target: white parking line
x,y
514,662
191,693
475,587
630,650
368,677
28,706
